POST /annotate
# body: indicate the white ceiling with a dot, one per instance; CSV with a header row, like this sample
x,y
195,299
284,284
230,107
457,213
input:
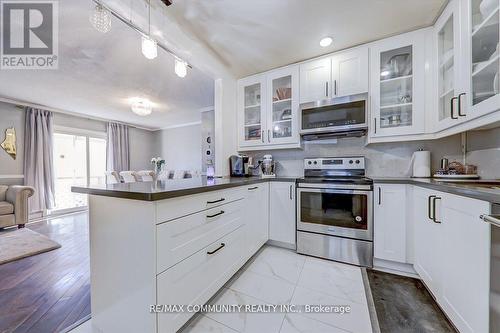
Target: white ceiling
x,y
98,73
258,35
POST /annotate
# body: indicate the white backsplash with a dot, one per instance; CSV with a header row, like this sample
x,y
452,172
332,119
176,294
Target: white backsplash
x,y
392,159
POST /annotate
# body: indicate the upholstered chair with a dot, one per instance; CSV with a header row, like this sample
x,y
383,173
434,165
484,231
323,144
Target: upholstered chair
x,y
14,205
129,176
112,177
146,175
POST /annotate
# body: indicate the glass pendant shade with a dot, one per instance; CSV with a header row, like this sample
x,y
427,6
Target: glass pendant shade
x,y
180,68
100,18
149,47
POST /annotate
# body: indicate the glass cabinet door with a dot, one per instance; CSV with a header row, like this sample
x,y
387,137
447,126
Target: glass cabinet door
x,y
446,70
283,106
396,87
485,52
252,114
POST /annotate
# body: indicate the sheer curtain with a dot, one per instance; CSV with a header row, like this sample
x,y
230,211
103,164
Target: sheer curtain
x,y
117,152
38,158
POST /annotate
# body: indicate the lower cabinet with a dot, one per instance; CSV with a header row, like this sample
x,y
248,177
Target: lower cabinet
x,y
282,227
390,222
452,255
257,216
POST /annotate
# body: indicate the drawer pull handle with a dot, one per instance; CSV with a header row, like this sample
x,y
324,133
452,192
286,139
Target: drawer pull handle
x,y
215,215
217,249
216,201
253,188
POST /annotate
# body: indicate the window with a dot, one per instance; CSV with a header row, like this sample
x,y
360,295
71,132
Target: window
x,y
79,159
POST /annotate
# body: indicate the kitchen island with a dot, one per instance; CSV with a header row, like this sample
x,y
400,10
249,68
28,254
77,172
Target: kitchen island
x,y
169,243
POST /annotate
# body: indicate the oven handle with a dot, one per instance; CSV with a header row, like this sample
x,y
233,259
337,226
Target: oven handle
x,y
333,191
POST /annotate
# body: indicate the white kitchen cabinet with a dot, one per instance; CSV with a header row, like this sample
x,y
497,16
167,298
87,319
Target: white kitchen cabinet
x,y
480,37
257,216
315,80
252,111
390,222
350,72
282,213
397,66
268,110
282,106
465,269
428,239
448,110
452,255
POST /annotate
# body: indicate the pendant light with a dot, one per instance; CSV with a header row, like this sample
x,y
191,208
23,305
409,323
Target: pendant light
x,y
180,67
100,18
149,45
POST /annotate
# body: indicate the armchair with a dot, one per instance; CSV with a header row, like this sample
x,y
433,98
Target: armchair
x,y
14,205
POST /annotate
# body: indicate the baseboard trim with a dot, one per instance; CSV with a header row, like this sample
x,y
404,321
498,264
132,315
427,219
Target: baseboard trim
x,y
75,325
282,244
396,268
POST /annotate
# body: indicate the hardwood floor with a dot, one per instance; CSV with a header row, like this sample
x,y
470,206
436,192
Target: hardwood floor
x,y
49,291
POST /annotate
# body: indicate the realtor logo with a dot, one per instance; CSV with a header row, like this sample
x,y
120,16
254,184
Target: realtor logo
x,y
29,34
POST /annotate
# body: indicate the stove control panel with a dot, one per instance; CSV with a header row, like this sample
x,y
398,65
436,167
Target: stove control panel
x,y
335,163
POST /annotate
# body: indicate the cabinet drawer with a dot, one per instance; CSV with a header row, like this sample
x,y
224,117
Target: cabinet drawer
x,y
180,238
177,207
195,280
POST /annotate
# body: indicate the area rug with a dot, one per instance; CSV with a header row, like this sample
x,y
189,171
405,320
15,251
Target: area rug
x,y
22,243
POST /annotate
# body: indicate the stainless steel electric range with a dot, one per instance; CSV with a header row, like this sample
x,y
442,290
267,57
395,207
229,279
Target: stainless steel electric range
x,y
335,210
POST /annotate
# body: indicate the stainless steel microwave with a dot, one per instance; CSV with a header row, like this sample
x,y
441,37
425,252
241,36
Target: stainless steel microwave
x,y
333,118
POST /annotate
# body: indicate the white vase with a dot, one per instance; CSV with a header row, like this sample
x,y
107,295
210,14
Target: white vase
x,y
487,6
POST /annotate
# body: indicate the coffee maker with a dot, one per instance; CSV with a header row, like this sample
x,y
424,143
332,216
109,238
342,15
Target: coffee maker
x,y
238,165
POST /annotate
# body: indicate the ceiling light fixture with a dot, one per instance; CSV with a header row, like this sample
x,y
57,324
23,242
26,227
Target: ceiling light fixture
x,y
141,106
180,67
100,18
149,45
326,41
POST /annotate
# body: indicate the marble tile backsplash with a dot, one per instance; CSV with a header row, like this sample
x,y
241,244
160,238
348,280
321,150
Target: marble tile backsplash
x,y
393,159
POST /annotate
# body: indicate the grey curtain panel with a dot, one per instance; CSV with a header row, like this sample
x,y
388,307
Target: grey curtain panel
x,y
38,158
117,152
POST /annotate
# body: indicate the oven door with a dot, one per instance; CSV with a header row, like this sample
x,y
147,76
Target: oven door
x,y
346,213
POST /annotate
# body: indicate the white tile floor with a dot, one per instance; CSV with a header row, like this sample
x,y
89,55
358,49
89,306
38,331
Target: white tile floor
x,y
279,276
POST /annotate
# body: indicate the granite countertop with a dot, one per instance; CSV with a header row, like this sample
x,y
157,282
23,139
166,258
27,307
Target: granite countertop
x,y
149,191
469,189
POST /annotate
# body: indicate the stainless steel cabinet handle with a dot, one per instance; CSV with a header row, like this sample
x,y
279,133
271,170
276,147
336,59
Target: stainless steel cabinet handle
x,y
216,201
452,108
434,209
460,105
335,87
492,219
262,136
429,207
379,196
291,196
253,188
326,89
217,249
215,215
268,135
375,123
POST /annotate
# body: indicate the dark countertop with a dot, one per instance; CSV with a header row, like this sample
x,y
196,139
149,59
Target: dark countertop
x,y
148,191
464,188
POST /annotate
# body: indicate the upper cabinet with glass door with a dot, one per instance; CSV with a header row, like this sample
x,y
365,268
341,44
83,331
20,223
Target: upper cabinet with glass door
x,y
251,107
482,39
398,67
283,106
449,87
